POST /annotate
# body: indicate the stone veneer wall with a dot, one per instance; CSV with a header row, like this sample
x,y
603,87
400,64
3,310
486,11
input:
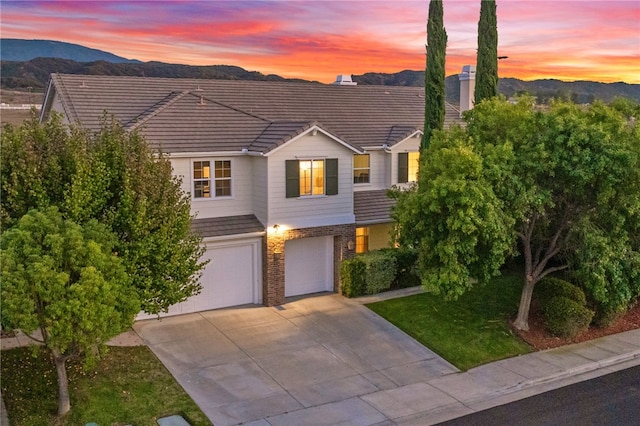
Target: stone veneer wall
x,y
273,257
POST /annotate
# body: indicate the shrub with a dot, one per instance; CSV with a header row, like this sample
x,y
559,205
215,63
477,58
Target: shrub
x,y
352,277
607,315
550,287
565,317
406,260
380,271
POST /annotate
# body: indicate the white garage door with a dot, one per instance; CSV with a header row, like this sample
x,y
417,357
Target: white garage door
x,y
232,277
308,265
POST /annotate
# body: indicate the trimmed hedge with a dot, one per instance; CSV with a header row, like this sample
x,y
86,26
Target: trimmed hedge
x,y
378,271
352,277
565,317
550,287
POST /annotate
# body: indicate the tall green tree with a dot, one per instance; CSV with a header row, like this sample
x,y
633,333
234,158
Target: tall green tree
x,y
65,281
562,187
114,177
434,78
487,61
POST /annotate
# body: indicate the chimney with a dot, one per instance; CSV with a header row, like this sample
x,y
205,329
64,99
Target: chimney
x,y
467,87
344,80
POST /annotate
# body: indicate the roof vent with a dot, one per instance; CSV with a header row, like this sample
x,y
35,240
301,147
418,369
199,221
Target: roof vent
x,y
344,80
198,89
83,84
201,101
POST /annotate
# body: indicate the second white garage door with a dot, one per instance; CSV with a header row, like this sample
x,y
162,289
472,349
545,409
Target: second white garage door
x,y
308,265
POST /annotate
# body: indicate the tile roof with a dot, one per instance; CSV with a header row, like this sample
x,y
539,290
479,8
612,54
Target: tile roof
x,y
229,225
372,207
192,115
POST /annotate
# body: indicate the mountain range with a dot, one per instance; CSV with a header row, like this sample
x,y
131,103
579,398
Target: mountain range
x,y
28,64
15,49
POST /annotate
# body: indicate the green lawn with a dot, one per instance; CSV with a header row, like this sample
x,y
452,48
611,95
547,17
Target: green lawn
x,y
467,332
129,386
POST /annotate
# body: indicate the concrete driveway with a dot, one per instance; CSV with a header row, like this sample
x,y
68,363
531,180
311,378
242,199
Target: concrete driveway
x,y
306,362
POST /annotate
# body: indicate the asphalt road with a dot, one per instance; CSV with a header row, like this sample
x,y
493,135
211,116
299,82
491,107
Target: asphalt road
x,y
613,399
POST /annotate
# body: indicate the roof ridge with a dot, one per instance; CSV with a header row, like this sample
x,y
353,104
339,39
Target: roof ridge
x,y
155,109
250,114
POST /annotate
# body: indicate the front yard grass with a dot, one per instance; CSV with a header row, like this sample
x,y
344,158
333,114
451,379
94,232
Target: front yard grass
x,y
468,332
128,386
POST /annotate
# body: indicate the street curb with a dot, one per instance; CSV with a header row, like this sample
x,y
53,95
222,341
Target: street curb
x,y
575,371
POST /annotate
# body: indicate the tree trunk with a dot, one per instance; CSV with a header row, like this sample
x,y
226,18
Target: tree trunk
x,y
522,321
64,405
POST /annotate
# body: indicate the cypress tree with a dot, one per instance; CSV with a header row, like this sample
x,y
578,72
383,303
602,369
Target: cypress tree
x,y
487,62
434,74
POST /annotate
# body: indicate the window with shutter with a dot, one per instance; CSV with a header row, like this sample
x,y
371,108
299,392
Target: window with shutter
x,y
311,177
408,163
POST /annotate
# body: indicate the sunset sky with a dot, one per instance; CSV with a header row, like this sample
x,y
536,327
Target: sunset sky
x,y
318,39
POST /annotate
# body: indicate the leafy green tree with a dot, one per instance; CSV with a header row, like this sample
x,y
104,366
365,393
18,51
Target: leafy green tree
x,y
487,61
65,281
434,74
561,186
114,177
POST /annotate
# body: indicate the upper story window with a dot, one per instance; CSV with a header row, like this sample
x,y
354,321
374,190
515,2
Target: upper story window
x,y
204,181
311,177
223,178
408,163
361,168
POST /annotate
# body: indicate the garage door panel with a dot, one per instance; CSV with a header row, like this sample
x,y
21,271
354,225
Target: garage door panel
x,y
308,265
228,278
232,277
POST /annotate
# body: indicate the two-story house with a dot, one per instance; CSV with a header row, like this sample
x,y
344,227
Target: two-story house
x,y
286,179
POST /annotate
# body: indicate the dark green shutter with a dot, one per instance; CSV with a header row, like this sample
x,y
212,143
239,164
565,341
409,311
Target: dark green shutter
x,y
293,178
331,165
403,167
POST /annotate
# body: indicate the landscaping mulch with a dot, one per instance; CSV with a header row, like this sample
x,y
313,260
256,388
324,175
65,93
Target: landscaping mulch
x,y
541,339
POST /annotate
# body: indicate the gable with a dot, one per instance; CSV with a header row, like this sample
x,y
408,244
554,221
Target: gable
x,y
302,135
410,142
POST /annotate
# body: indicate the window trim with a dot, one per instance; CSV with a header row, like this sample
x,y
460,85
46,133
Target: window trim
x,y
403,167
212,179
368,169
292,177
362,240
195,180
